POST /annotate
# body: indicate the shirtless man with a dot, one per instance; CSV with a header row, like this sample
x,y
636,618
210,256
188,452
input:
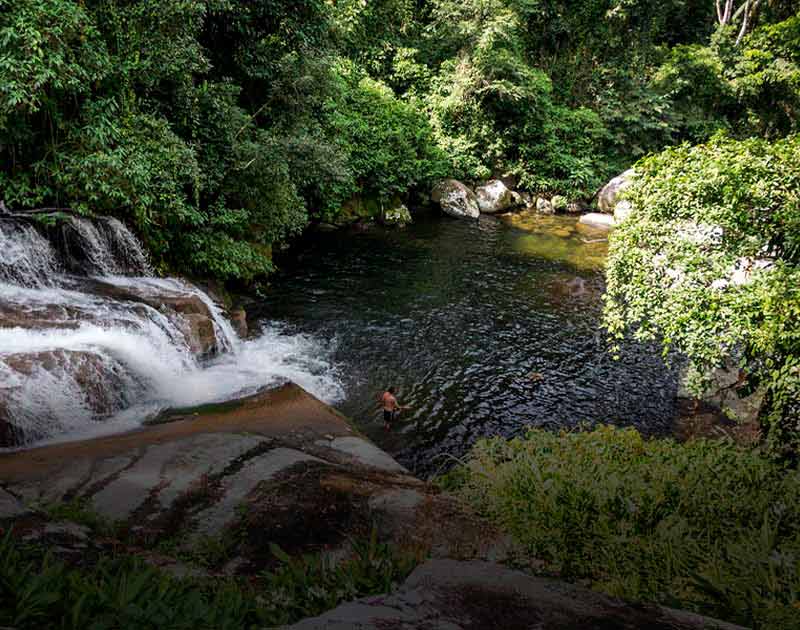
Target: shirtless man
x,y
390,408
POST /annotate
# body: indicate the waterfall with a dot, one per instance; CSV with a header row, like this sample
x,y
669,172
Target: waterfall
x,y
127,250
91,342
105,247
26,257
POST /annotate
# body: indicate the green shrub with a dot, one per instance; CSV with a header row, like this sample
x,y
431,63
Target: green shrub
x,y
117,593
711,266
125,593
311,584
704,526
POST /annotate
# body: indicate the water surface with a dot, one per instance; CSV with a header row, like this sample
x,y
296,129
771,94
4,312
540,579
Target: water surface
x,y
485,328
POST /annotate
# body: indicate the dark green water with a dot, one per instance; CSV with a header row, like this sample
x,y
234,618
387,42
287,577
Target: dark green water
x,y
485,328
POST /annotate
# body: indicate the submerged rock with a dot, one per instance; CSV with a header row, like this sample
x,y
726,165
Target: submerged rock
x,y
608,197
494,197
596,219
456,199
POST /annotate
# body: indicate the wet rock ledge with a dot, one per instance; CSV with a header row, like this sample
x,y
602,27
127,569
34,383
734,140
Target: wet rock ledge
x,y
282,467
278,467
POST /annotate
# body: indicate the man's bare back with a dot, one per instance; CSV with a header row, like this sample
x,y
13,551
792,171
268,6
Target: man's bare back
x,y
390,408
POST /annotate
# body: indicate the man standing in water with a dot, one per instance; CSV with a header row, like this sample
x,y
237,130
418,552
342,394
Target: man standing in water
x,y
390,408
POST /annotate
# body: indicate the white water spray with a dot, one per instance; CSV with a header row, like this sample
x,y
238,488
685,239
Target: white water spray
x,y
26,257
96,355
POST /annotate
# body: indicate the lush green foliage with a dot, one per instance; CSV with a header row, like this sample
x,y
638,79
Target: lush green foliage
x,y
220,128
37,592
312,584
216,128
703,526
711,265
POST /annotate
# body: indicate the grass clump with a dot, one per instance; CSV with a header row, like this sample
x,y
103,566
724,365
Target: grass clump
x,y
705,526
38,592
309,585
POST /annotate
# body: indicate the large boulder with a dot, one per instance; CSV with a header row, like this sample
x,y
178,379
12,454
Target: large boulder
x,y
455,595
456,199
397,216
543,206
608,197
495,197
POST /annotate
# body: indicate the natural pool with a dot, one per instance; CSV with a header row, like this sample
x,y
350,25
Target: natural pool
x,y
485,328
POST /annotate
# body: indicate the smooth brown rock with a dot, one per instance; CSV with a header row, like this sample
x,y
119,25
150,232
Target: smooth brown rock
x,y
238,319
278,467
200,334
451,595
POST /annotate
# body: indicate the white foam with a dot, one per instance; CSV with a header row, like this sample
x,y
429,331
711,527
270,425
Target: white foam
x,y
98,352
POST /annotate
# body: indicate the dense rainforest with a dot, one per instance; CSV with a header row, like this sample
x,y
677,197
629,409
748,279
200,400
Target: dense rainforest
x,y
220,128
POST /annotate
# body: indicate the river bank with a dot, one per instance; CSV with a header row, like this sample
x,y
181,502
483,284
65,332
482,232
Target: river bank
x,y
260,512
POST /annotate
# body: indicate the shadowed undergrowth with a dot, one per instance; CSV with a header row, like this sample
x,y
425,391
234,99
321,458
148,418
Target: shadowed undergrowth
x,y
704,526
37,591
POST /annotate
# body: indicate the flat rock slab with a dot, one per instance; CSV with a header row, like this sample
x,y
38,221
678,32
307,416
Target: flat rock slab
x,y
165,471
237,486
452,595
366,453
279,467
287,413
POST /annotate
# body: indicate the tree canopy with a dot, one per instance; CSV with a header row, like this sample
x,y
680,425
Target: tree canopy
x,y
220,128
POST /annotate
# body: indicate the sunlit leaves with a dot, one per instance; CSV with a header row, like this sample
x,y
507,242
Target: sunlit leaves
x,y
710,263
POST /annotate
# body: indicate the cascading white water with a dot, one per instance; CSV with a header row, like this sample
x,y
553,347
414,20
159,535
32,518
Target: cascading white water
x,y
126,248
76,351
26,257
94,247
225,334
